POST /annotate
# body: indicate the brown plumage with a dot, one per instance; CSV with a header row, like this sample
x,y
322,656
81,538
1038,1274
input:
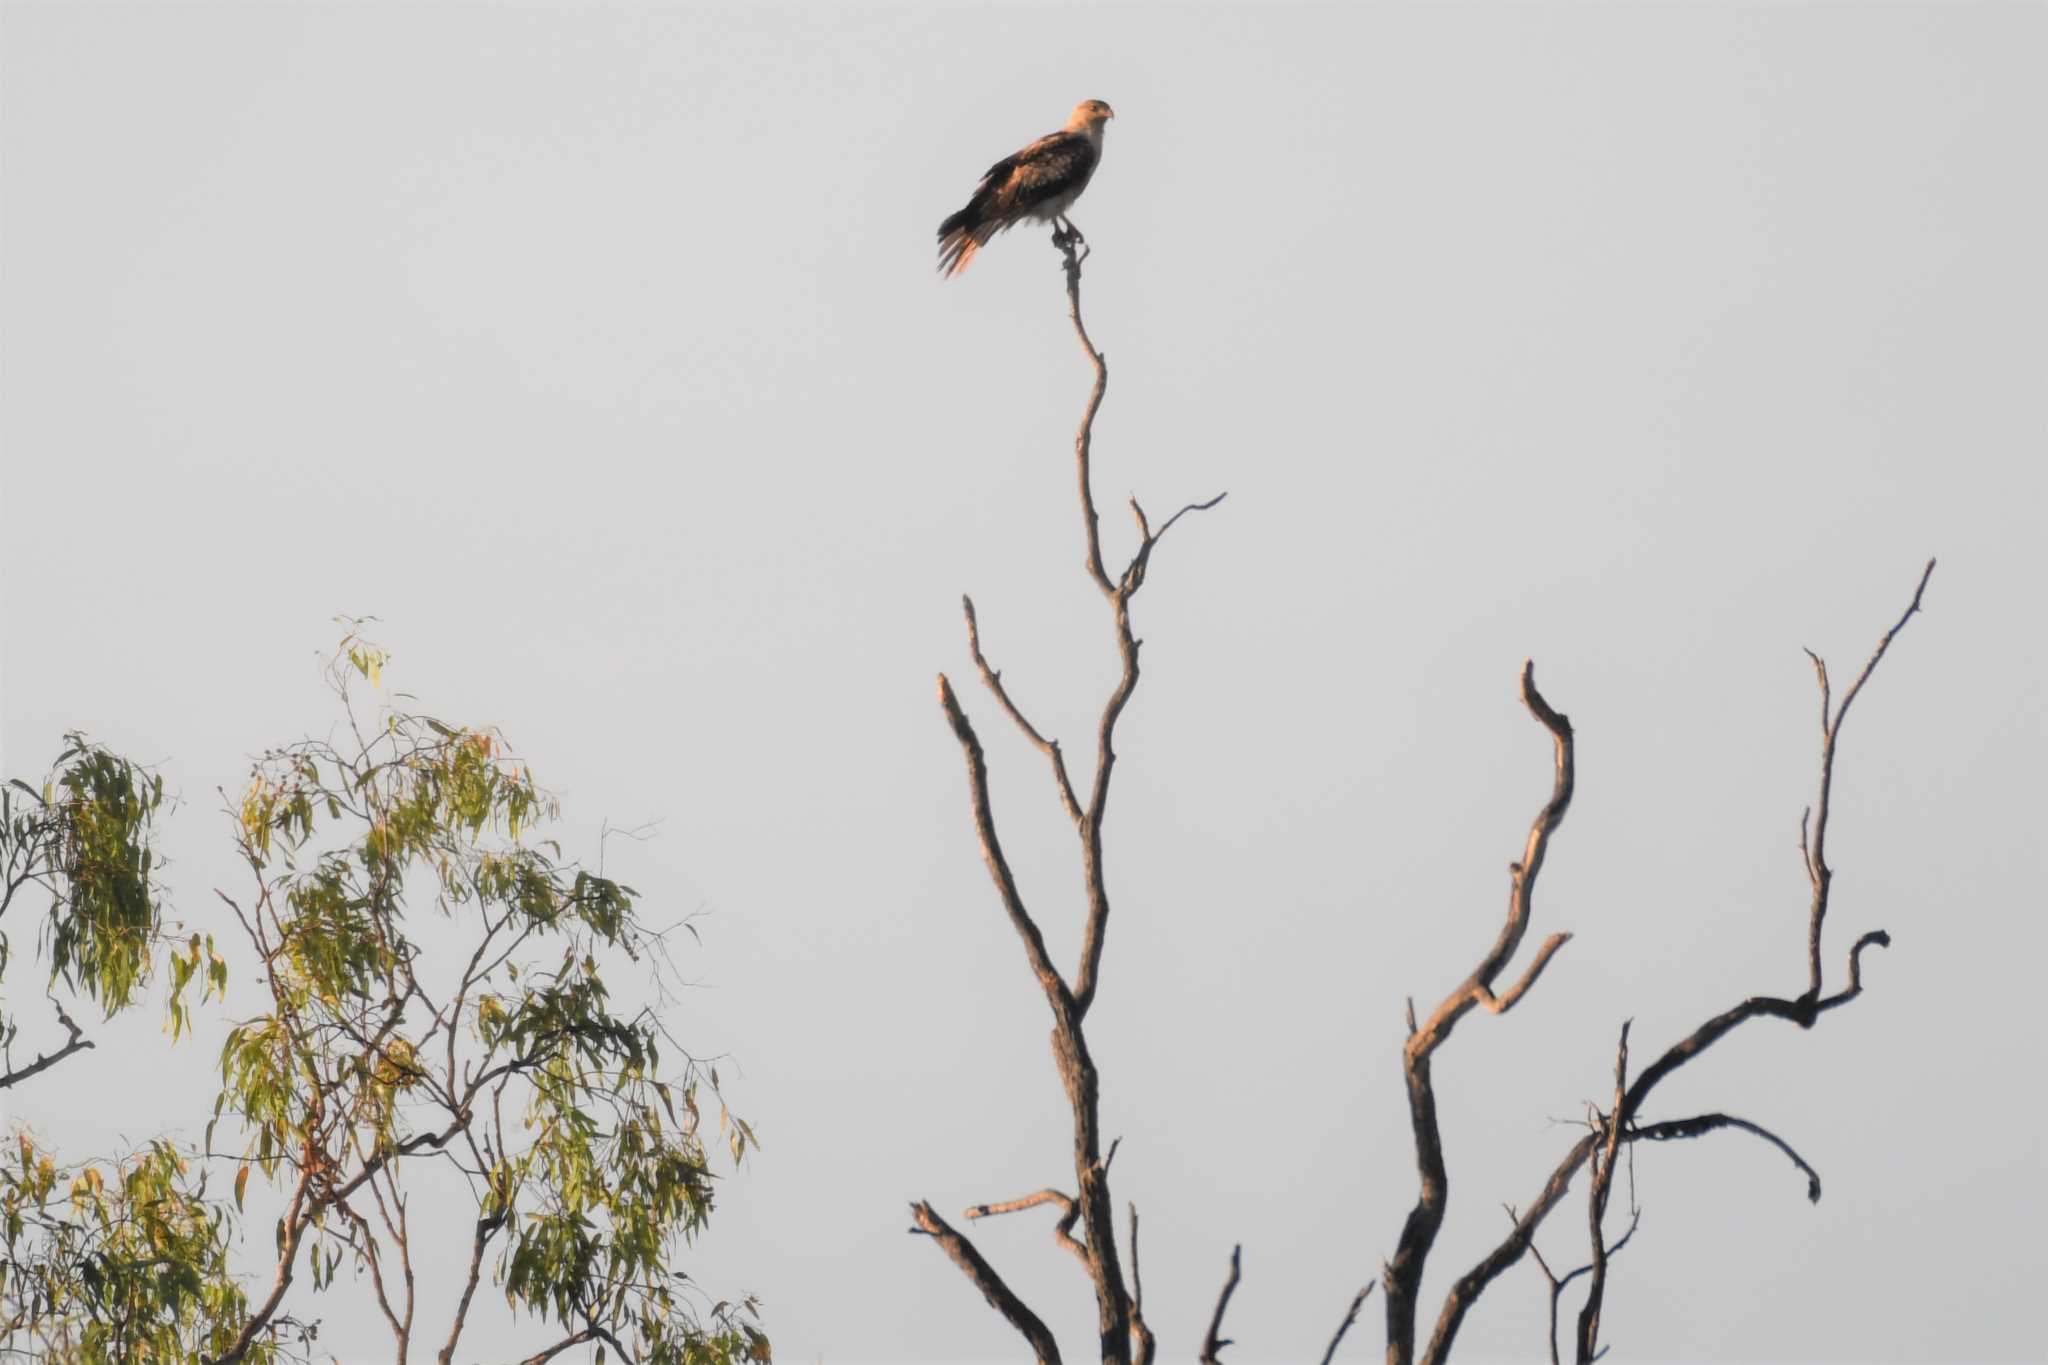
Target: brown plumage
x,y
1041,182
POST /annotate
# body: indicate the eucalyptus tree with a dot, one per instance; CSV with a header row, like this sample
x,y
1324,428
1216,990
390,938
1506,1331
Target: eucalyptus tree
x,y
108,1258
439,1013
434,1020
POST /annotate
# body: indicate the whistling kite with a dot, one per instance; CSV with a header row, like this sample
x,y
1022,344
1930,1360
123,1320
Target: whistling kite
x,y
1040,182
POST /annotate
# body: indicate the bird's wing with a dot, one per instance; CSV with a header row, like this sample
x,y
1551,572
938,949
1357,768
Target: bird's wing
x,y
1050,167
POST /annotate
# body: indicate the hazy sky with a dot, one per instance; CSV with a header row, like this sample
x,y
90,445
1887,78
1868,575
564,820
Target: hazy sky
x,y
599,352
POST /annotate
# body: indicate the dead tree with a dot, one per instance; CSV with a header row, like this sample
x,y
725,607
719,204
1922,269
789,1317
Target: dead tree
x,y
1611,1132
1119,1310
1621,1124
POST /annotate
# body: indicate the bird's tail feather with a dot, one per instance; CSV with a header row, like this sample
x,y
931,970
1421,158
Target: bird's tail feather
x,y
955,253
960,236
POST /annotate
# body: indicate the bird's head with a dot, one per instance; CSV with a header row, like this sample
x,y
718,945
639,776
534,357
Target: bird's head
x,y
1090,115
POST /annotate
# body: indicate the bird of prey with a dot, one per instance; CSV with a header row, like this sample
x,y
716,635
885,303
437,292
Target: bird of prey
x,y
1040,182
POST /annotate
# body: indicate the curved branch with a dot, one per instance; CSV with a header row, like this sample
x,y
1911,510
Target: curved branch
x,y
1403,1273
1084,436
1701,1124
1062,1231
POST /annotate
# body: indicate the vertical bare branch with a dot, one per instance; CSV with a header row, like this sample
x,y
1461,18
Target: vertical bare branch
x,y
1140,1333
1557,1284
1596,1208
1069,1004
1404,1272
1821,875
1213,1344
1084,436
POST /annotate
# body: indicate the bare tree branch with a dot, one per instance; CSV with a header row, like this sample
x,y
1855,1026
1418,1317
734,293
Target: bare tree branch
x,y
1350,1316
290,1234
977,1269
78,1042
1212,1344
1062,1232
1140,1333
1596,1207
992,850
1803,1011
1091,1203
1557,1285
1819,872
1404,1272
1049,747
1702,1124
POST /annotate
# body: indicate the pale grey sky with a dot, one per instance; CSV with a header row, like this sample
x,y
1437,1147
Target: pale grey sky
x,y
597,350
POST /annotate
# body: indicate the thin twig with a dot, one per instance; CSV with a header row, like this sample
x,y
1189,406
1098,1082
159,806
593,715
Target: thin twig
x,y
1049,747
1140,1333
1350,1316
1831,730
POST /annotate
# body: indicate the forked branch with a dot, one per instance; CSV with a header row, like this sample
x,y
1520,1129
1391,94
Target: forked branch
x,y
1803,1011
1819,874
1403,1275
1119,1322
1213,1344
78,1042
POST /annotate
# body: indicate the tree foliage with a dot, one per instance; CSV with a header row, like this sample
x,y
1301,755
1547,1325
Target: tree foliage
x,y
439,1003
116,1260
122,1261
437,1022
